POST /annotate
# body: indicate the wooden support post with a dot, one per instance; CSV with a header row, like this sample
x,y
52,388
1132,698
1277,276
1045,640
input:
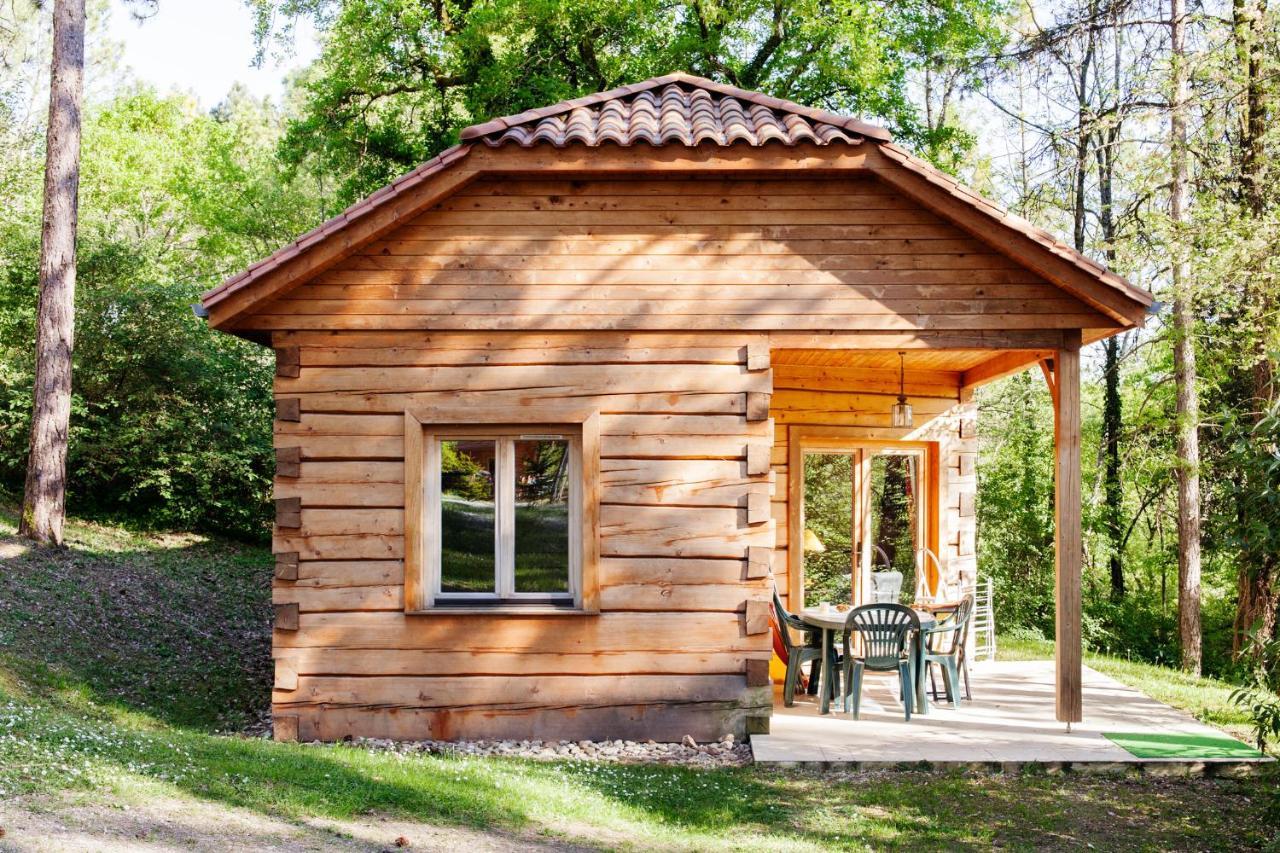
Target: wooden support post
x,y
1068,539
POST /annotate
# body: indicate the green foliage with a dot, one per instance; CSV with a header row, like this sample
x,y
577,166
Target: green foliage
x,y
1251,455
1263,708
398,78
463,475
171,423
1258,698
1015,500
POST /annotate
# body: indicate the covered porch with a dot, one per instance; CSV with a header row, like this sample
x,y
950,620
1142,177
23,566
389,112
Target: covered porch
x,y
841,396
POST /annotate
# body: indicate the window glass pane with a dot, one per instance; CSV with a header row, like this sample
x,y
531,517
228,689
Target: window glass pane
x,y
894,509
542,515
467,515
829,541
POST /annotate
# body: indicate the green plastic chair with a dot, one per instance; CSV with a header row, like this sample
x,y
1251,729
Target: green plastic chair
x,y
798,653
944,648
886,631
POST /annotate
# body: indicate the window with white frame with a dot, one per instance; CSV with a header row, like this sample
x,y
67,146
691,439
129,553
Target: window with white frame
x,y
501,519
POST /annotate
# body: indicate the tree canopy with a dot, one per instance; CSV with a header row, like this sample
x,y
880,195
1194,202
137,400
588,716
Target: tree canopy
x,y
397,79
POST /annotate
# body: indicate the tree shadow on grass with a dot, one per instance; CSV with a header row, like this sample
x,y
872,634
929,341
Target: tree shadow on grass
x,y
177,627
951,810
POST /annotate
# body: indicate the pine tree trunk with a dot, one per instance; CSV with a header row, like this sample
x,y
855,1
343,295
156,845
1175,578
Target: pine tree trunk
x,y
1184,359
44,500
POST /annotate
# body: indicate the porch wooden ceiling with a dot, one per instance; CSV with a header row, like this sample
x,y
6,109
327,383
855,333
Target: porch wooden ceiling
x,y
950,360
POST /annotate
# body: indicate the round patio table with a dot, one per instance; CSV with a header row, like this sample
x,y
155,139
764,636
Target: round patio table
x,y
833,621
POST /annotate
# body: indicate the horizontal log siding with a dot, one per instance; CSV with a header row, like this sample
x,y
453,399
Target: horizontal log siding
x,y
674,536
861,398
800,254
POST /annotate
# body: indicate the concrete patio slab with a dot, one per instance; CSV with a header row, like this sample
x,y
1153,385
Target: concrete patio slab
x,y
1009,723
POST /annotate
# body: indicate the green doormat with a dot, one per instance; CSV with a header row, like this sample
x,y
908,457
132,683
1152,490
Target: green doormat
x,y
1181,745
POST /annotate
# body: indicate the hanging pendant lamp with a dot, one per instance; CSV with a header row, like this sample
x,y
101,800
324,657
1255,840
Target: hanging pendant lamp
x,y
901,412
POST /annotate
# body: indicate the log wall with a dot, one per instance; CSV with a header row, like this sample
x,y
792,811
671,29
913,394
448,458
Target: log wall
x,y
796,254
658,302
676,526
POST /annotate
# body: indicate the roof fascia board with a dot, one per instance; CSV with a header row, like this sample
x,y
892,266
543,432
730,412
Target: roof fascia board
x,y
612,160
1125,304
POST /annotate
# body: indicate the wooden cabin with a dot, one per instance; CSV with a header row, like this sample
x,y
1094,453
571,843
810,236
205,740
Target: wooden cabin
x,y
541,406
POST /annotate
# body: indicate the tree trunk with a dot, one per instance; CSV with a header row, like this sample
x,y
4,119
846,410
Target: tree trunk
x,y
1184,358
1112,421
1112,412
1259,566
44,501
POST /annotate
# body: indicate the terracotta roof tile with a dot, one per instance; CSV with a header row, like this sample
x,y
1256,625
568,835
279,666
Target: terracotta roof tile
x,y
672,110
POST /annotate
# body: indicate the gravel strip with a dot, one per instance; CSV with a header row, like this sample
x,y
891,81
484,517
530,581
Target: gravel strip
x,y
688,753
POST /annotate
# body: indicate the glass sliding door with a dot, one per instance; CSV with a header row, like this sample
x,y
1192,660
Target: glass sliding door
x,y
829,540
894,532
863,511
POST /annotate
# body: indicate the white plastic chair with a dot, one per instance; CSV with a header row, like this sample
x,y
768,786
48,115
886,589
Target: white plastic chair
x,y
886,587
926,594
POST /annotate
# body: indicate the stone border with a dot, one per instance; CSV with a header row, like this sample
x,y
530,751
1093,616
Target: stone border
x,y
687,753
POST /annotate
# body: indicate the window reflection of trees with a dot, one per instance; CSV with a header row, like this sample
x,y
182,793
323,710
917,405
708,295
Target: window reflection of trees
x,y
893,503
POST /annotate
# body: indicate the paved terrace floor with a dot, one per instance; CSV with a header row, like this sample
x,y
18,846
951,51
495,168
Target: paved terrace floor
x,y
1009,722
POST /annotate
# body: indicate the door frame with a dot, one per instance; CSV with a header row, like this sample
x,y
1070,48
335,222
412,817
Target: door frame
x,y
837,439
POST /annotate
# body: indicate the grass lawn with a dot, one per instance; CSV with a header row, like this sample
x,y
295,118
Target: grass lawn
x,y
129,662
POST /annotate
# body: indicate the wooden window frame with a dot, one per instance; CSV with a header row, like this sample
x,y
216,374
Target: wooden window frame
x,y
424,429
